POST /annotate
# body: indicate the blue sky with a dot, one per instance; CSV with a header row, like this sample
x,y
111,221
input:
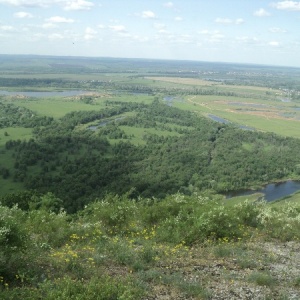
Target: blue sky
x,y
242,31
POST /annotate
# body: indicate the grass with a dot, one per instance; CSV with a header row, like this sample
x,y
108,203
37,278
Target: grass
x,y
262,279
137,133
14,133
185,81
262,114
9,186
284,127
56,107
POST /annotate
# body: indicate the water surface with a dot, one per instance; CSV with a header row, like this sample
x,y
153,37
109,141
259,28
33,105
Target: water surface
x,y
272,191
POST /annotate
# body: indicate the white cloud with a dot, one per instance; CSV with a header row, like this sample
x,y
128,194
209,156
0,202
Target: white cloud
x,y
239,21
6,28
229,21
141,39
36,36
178,19
90,33
23,15
212,36
148,14
58,19
78,5
163,31
56,36
277,30
247,40
287,5
223,21
209,32
261,13
169,4
31,3
159,26
174,39
49,25
216,37
118,28
66,4
274,44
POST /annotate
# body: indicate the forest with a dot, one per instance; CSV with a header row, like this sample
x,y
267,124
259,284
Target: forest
x,y
79,165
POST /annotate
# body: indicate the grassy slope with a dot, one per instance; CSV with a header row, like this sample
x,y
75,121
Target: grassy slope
x,y
124,250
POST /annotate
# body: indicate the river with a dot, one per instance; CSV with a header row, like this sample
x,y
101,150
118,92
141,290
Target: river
x,y
272,191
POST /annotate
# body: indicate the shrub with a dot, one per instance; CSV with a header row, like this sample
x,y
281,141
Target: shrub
x,y
103,288
282,223
48,229
200,218
12,238
114,212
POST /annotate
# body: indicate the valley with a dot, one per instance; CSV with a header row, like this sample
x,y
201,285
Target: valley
x,y
117,170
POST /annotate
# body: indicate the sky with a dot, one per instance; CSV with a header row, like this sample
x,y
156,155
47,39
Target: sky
x,y
240,31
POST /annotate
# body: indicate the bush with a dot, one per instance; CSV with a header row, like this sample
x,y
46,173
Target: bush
x,y
12,239
114,212
48,228
200,218
282,223
103,288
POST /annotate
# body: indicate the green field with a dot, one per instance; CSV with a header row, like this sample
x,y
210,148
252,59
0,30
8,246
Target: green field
x,y
14,133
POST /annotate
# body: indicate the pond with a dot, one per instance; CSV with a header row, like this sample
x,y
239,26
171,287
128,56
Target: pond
x,y
44,94
272,191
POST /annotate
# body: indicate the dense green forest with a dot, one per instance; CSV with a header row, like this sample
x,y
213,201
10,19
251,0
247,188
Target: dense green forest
x,y
79,164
